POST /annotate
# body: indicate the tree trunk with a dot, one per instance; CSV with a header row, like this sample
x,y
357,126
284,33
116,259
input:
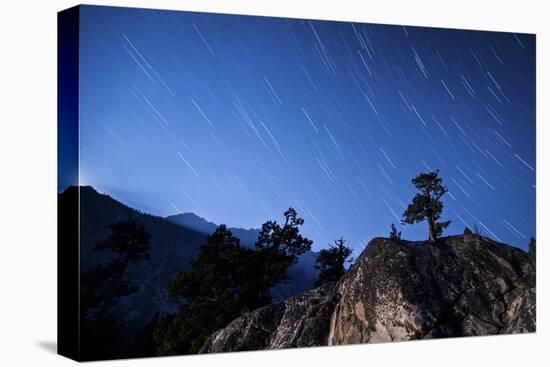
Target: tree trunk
x,y
430,217
431,229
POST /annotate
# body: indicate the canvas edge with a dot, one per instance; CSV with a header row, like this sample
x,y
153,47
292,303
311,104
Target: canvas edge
x,y
68,294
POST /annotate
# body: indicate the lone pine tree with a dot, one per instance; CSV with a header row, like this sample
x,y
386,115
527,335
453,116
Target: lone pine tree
x,y
427,205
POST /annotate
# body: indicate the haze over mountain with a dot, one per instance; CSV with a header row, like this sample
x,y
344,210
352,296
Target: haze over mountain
x,y
190,220
174,243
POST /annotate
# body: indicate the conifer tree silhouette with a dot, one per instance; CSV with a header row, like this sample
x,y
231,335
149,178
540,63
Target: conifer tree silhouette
x,y
331,262
427,205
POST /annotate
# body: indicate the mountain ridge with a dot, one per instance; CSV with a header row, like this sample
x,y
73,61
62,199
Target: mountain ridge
x,y
193,221
172,247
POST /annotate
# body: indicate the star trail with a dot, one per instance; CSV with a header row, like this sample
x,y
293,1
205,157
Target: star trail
x,y
236,118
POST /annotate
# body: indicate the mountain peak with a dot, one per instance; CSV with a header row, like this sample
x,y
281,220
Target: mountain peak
x,y
193,221
74,188
188,216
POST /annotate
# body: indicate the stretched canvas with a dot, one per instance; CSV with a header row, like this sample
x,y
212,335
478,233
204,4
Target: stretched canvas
x,y
233,183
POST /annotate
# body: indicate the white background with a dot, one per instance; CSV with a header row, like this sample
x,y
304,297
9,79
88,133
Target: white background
x,y
28,181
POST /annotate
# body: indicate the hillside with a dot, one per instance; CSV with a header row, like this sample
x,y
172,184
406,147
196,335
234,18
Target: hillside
x,y
396,291
173,245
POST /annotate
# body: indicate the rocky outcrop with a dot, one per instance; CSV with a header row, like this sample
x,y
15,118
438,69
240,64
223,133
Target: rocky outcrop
x,y
464,285
399,290
300,321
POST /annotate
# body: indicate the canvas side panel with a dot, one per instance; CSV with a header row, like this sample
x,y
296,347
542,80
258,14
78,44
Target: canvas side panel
x,y
68,337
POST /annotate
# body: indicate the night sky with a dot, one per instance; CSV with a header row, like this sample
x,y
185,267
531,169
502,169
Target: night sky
x,y
236,118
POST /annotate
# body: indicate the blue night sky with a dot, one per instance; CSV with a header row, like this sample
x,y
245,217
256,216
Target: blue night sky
x,y
236,118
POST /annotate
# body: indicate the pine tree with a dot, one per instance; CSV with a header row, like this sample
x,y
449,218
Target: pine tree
x,y
427,204
394,234
226,280
128,240
103,286
213,293
532,249
278,247
331,262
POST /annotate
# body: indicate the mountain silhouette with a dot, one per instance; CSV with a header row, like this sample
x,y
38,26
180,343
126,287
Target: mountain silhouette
x,y
175,241
192,221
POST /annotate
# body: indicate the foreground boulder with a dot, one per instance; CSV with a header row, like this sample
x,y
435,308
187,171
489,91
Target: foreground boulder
x,y
465,285
399,290
300,321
